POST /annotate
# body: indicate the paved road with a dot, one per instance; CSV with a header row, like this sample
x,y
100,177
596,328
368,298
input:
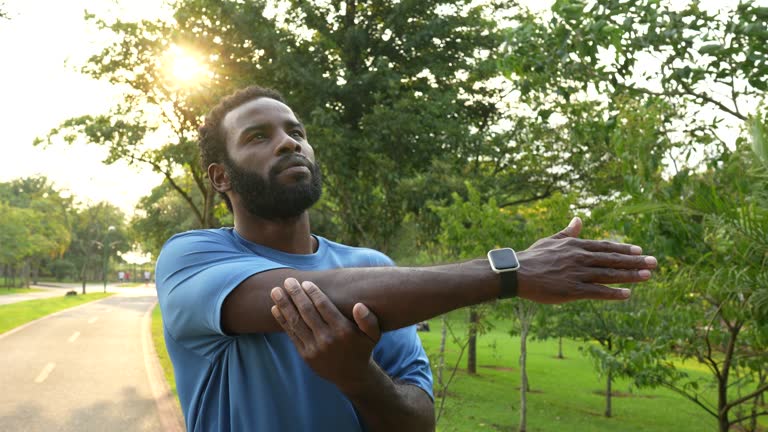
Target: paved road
x,y
90,368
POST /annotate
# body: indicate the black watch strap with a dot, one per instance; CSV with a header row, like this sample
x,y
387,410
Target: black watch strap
x,y
508,284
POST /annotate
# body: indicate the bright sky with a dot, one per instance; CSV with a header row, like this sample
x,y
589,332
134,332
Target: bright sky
x,y
42,46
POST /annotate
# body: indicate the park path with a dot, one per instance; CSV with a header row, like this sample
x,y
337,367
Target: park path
x,y
89,368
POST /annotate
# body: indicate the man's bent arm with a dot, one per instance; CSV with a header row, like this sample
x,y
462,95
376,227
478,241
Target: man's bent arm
x,y
387,405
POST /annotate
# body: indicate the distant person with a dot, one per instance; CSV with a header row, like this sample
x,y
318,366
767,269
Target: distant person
x,y
273,328
147,275
127,276
120,276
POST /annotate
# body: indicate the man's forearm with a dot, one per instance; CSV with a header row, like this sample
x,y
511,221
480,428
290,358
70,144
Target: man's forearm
x,y
399,296
386,405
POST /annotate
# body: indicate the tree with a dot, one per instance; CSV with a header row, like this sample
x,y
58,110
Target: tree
x,y
46,221
93,241
374,102
719,300
163,213
15,237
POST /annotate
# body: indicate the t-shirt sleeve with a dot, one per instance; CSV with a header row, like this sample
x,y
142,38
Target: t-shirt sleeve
x,y
402,357
195,272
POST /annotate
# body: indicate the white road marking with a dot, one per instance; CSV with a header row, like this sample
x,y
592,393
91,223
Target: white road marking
x,y
45,372
74,337
92,320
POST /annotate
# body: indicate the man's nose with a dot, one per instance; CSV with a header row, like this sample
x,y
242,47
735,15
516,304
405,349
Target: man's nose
x,y
287,145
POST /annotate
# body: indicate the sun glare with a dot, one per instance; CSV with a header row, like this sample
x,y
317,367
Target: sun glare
x,y
183,67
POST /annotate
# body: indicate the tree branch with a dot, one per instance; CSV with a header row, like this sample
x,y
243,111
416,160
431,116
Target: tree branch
x,y
693,399
742,418
546,194
746,397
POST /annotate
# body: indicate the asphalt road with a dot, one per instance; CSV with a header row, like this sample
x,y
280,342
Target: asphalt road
x,y
90,368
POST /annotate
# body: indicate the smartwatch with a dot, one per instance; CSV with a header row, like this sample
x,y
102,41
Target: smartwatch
x,y
504,262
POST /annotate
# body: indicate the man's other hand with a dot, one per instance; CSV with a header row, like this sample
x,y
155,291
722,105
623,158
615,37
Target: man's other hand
x,y
336,348
563,268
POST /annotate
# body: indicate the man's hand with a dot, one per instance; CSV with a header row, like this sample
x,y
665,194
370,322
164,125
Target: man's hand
x,y
333,346
563,267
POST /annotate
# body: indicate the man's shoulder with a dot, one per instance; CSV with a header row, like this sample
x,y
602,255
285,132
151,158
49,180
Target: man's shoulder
x,y
375,257
200,240
219,235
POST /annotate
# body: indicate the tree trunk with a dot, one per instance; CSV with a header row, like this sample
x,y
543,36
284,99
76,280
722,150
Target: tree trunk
x,y
560,348
35,273
82,274
608,394
441,355
523,379
724,424
25,273
474,318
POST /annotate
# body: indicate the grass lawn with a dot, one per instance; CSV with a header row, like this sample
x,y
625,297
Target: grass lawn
x,y
567,395
162,353
6,291
16,314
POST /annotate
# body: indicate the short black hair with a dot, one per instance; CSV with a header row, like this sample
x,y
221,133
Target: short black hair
x,y
212,141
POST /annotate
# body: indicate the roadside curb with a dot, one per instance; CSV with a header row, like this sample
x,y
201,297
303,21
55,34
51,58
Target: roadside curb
x,y
168,408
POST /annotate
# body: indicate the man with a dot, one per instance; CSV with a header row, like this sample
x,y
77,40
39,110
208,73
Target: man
x,y
271,328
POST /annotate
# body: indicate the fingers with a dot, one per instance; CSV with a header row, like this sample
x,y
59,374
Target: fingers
x,y
572,230
307,310
620,261
294,308
608,246
599,292
367,321
328,311
287,328
303,303
610,276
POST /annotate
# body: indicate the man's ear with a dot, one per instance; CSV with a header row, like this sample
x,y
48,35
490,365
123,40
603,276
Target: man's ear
x,y
219,177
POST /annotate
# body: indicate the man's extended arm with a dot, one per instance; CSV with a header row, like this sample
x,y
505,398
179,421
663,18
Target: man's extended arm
x,y
554,270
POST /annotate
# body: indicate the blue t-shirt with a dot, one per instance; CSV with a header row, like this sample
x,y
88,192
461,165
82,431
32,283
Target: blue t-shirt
x,y
258,382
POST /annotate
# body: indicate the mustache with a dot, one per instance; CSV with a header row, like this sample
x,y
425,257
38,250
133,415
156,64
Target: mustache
x,y
289,161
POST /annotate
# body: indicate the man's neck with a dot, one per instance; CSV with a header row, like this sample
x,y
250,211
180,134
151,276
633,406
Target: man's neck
x,y
286,235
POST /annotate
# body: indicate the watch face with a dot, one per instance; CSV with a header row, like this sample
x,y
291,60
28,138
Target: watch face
x,y
503,259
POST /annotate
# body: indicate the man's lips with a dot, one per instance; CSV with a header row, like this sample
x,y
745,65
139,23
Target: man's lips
x,y
296,169
296,164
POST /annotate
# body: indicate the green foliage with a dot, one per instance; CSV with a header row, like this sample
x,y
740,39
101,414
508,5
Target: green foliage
x,y
759,137
700,66
163,214
715,310
470,228
33,224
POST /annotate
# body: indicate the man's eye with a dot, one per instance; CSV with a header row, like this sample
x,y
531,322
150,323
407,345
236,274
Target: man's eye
x,y
297,134
257,136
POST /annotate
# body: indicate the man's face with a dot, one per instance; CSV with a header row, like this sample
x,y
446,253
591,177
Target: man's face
x,y
270,164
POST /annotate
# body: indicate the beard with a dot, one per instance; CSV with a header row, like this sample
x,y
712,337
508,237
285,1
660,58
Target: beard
x,y
269,198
